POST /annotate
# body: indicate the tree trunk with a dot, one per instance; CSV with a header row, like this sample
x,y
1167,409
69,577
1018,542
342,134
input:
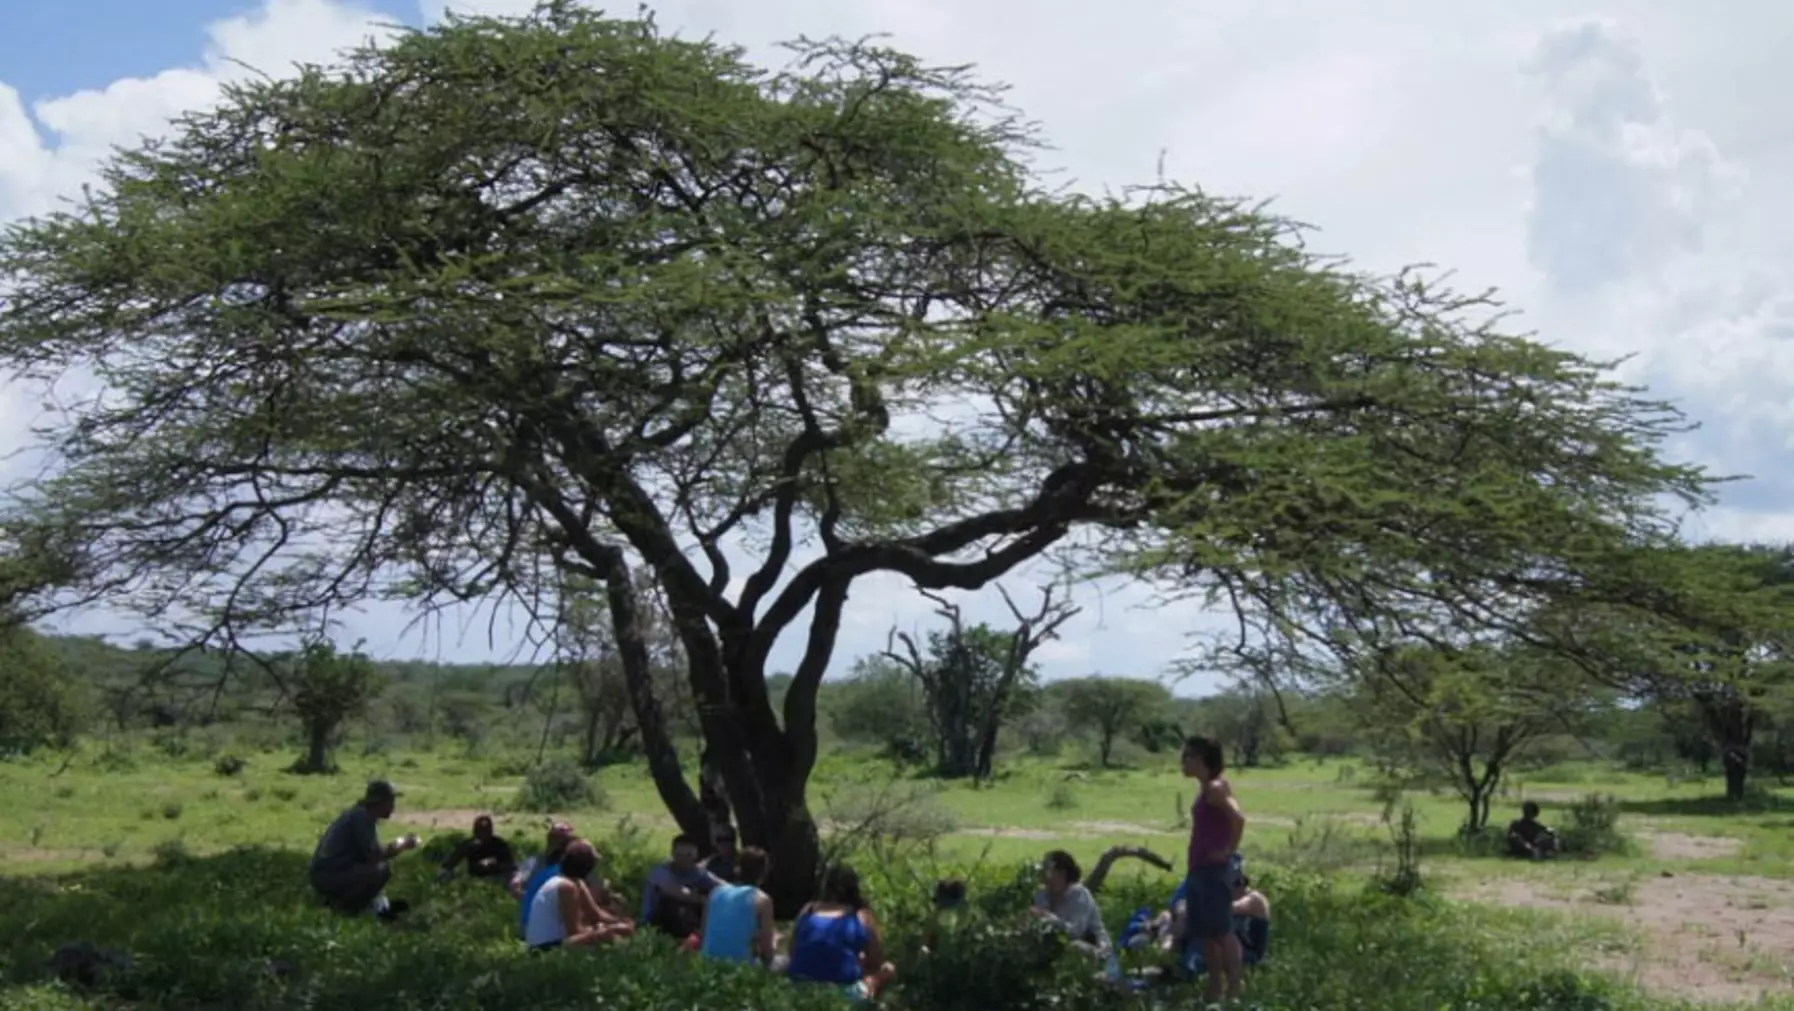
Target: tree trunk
x,y
657,744
1104,745
317,752
1737,772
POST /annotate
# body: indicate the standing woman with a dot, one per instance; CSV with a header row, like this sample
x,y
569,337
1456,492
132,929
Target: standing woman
x,y
1216,824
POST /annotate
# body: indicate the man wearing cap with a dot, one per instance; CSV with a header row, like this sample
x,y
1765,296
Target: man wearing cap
x,y
349,868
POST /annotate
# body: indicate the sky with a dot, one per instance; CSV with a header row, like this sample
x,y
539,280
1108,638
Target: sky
x,y
1622,172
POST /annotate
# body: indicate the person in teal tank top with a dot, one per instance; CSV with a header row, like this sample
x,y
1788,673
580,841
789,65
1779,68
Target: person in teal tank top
x,y
738,922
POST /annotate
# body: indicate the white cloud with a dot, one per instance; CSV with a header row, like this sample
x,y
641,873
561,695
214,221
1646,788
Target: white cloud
x,y
1618,174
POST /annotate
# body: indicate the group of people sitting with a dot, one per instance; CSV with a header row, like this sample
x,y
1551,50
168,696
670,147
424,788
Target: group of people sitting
x,y
718,907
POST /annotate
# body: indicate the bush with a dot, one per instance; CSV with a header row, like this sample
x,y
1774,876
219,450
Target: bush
x,y
213,932
229,765
558,785
1591,828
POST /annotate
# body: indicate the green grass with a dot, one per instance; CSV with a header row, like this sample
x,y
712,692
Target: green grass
x,y
126,825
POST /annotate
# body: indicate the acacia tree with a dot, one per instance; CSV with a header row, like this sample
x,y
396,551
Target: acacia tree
x,y
1465,717
1711,641
325,689
1109,707
510,300
974,677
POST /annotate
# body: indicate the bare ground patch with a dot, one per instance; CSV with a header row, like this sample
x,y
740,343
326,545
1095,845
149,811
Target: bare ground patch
x,y
1682,846
1706,937
40,854
1119,828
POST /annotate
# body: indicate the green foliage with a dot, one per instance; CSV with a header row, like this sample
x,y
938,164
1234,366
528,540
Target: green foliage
x,y
882,705
237,930
1109,707
558,785
229,765
325,688
39,701
1591,828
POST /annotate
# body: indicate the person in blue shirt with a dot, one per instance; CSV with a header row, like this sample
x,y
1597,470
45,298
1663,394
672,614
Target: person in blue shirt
x,y
836,940
674,899
738,923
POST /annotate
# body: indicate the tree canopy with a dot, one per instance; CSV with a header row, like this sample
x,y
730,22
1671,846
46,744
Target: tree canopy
x,y
508,302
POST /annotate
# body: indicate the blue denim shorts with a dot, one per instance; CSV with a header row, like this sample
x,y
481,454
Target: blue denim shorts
x,y
1209,893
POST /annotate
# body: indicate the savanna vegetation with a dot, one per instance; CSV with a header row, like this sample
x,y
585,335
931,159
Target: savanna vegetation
x,y
666,353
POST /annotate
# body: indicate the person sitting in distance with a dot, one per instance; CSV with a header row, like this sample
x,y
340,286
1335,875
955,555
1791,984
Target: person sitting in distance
x,y
350,869
486,854
738,921
673,901
562,912
1529,838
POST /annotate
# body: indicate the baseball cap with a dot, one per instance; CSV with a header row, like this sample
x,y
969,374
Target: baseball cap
x,y
380,789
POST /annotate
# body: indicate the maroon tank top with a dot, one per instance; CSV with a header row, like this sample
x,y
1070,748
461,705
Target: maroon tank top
x,y
1208,833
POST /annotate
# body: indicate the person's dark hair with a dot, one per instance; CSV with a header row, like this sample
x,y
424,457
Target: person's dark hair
x,y
683,840
1529,809
1210,752
949,893
841,886
483,821
1066,863
579,861
723,833
751,865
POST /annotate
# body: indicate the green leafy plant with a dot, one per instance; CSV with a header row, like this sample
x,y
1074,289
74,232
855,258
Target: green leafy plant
x,y
559,784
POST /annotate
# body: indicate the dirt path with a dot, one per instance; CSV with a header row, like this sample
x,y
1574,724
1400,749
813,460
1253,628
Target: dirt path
x,y
1681,846
1706,937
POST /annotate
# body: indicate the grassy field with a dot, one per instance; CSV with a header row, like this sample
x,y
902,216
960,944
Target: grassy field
x,y
1699,907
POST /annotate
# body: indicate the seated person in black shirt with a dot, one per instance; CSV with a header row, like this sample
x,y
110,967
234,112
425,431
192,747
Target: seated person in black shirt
x,y
1528,837
487,855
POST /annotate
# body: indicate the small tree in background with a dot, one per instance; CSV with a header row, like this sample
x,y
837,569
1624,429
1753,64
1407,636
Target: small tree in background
x,y
38,705
326,689
1109,708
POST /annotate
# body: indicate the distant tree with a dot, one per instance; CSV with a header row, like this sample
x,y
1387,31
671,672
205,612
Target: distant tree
x,y
325,689
1465,717
1110,707
1708,637
973,677
880,703
39,705
1244,720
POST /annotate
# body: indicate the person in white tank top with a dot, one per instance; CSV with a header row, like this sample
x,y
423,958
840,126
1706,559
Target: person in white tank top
x,y
563,912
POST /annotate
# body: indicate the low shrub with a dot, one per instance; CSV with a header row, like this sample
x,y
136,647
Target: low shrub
x,y
240,930
558,785
229,765
1591,828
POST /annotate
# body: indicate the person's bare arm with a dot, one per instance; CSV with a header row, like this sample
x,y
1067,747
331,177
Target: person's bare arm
x,y
766,938
1252,904
571,903
875,943
1236,819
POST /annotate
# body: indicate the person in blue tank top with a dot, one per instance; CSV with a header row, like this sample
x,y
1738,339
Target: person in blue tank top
x,y
836,940
738,924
